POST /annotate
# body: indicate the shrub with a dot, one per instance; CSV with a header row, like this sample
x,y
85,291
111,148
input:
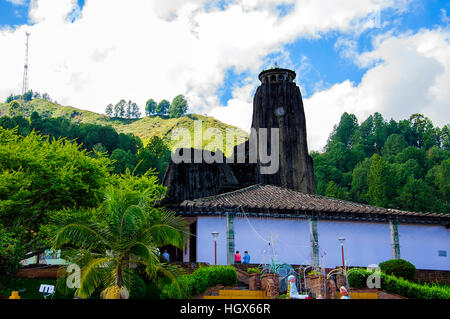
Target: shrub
x,y
138,289
253,270
357,278
11,253
199,281
399,268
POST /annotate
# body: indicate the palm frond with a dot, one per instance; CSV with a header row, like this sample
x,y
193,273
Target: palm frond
x,y
82,236
93,275
169,230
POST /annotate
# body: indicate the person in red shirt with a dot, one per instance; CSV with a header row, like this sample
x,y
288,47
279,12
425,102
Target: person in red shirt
x,y
237,257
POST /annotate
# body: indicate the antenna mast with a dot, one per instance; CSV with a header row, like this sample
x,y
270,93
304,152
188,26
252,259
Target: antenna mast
x,y
25,68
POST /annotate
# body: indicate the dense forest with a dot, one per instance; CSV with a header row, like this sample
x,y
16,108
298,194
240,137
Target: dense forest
x,y
403,165
125,150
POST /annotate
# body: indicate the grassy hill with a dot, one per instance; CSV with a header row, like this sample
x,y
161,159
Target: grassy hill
x,y
145,128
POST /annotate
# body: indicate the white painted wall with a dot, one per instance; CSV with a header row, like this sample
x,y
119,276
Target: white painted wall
x,y
365,244
290,239
419,244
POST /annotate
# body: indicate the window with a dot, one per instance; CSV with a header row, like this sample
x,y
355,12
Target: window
x,y
442,253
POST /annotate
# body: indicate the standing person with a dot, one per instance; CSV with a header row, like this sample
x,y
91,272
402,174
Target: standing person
x,y
246,258
237,257
166,255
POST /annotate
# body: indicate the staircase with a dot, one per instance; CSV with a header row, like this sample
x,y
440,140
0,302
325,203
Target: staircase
x,y
239,294
241,291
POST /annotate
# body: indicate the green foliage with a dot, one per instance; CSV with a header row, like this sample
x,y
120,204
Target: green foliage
x,y
391,164
155,155
11,253
109,111
144,128
253,270
162,108
357,278
199,281
179,107
31,287
150,107
399,268
15,108
28,96
379,182
132,229
38,176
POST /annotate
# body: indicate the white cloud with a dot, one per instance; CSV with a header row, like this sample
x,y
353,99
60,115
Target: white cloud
x,y
140,49
410,74
17,2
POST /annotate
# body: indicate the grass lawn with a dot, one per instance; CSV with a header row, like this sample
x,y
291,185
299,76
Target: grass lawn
x,y
32,288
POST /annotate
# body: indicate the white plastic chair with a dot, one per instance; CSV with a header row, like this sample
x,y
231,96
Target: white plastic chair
x,y
47,291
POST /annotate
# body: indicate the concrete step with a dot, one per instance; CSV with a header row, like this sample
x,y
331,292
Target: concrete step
x,y
242,293
232,297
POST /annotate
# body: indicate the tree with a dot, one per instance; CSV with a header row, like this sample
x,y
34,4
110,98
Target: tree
x,y
122,160
11,253
39,176
345,130
162,107
135,111
150,107
133,230
109,110
15,108
46,97
155,155
119,109
379,183
10,98
128,111
394,144
28,96
178,107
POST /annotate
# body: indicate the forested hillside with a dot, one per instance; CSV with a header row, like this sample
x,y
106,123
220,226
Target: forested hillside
x,y
145,128
404,164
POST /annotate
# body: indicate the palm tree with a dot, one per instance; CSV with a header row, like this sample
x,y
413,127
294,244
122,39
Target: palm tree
x,y
108,253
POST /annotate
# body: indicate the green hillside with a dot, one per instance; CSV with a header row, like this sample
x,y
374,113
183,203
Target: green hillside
x,y
145,128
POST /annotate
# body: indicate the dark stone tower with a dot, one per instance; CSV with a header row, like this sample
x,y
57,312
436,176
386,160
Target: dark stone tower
x,y
278,104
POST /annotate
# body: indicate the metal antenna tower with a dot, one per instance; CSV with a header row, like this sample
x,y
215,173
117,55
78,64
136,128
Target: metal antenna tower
x,y
25,68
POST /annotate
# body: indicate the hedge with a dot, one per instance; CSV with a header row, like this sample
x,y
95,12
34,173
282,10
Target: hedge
x,y
399,268
199,281
400,286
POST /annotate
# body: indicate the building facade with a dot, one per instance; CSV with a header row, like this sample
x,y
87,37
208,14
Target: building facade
x,y
282,225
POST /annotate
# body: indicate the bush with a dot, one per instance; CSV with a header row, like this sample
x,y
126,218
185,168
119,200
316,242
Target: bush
x,y
199,281
253,270
11,253
138,289
357,278
399,268
409,289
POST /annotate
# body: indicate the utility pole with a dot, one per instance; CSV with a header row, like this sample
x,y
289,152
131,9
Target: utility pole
x,y
25,68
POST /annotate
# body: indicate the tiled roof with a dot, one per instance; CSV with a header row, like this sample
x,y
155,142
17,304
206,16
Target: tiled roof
x,y
278,199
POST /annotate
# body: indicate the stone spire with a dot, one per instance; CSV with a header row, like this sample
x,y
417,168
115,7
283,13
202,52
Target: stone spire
x,y
278,104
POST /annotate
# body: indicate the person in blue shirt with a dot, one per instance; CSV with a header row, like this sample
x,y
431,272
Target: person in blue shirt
x,y
166,255
246,258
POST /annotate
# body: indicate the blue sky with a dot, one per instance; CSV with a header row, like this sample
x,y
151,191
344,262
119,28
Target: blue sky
x,y
91,54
